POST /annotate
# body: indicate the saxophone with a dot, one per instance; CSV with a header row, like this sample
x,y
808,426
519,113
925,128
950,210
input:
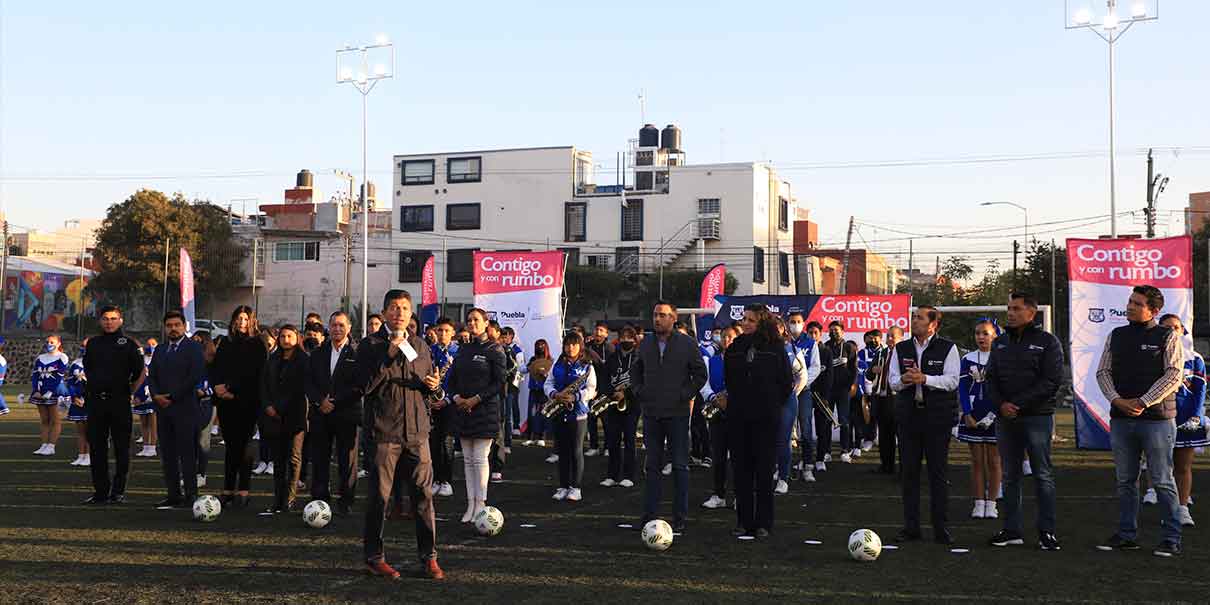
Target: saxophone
x,y
713,408
601,403
553,407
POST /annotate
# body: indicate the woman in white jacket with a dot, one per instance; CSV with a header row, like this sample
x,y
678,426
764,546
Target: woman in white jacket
x,y
802,375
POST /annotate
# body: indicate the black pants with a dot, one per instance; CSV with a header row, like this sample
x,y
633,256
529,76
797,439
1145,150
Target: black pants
x,y
884,411
699,433
496,456
919,440
306,458
620,429
326,431
591,425
177,433
439,449
413,463
754,452
823,433
569,442
287,462
237,421
719,449
109,418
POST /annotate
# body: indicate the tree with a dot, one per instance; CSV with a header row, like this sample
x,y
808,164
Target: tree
x,y
591,289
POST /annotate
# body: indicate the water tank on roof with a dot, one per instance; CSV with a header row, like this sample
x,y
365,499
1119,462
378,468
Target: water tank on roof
x,y
372,194
649,136
670,138
305,179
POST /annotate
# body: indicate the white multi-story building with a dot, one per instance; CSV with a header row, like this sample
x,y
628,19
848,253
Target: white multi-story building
x,y
669,214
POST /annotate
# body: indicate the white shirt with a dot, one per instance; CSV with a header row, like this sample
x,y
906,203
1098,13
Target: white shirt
x,y
946,381
336,356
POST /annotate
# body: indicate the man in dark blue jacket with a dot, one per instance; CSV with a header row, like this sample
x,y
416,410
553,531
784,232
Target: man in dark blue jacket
x,y
1022,377
336,412
176,368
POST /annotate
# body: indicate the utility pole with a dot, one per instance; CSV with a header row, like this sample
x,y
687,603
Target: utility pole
x,y
844,265
167,243
255,267
3,273
911,278
80,298
1150,211
1016,250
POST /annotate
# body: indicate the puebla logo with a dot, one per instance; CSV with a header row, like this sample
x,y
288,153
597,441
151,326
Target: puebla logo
x,y
1096,316
737,312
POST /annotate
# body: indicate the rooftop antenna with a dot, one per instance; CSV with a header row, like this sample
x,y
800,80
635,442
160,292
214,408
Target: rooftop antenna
x,y
642,105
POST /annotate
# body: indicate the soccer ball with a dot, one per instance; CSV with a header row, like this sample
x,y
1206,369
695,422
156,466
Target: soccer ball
x,y
864,545
207,508
317,513
657,535
489,521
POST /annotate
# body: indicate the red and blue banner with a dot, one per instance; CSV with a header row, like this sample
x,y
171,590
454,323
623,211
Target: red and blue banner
x,y
429,309
858,313
188,306
713,284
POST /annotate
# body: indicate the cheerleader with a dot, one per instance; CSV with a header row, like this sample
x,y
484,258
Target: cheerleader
x,y
1191,430
474,389
977,425
3,373
144,407
50,371
206,416
571,425
76,412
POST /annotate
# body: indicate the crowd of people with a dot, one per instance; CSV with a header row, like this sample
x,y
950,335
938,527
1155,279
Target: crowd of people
x,y
394,407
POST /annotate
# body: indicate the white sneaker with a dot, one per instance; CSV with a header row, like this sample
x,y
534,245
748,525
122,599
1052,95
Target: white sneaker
x,y
1025,469
201,480
445,490
269,469
1000,492
846,458
560,494
541,443
867,445
508,450
977,513
781,488
626,483
527,442
1150,497
260,469
553,458
256,436
856,453
827,457
667,469
989,510
363,473
591,452
50,450
714,502
573,494
808,476
1185,518
151,451
87,461
139,440
820,466
78,460
497,477
41,451
607,482
214,430
516,432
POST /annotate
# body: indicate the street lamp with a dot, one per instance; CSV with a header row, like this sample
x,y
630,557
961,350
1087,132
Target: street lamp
x,y
1110,26
353,66
1018,207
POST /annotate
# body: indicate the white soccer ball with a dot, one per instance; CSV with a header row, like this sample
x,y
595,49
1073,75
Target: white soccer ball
x,y
489,521
207,509
317,513
864,545
657,535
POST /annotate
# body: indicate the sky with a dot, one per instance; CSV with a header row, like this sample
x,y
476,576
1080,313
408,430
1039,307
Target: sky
x,y
226,100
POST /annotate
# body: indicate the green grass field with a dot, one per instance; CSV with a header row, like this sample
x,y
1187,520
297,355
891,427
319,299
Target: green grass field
x,y
53,550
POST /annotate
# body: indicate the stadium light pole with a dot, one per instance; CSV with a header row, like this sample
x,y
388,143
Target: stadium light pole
x,y
353,66
1109,27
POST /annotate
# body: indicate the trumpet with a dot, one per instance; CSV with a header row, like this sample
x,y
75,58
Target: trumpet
x,y
713,408
553,406
825,408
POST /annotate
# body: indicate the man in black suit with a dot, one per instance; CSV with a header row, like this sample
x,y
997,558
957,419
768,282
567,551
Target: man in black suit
x,y
336,412
176,369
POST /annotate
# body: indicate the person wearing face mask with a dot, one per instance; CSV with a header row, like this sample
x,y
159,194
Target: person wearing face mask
x,y
789,412
714,392
808,348
620,426
866,358
76,412
882,405
442,351
144,408
820,392
844,376
50,371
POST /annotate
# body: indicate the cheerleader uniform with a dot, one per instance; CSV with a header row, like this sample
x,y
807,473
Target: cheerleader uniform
x,y
50,370
974,402
1190,404
75,390
3,373
571,426
143,405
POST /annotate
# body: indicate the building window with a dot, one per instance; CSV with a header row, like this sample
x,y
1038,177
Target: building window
x,y
783,214
575,221
460,265
709,206
461,216
463,170
632,221
758,264
626,260
411,265
573,256
600,261
293,251
416,218
417,172
783,268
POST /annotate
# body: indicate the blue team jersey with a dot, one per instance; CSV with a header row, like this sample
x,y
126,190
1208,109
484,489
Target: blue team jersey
x,y
3,369
50,372
143,395
563,374
76,380
970,385
865,359
714,370
1191,396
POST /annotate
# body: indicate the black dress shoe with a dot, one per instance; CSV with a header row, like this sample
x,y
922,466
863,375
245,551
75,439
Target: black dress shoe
x,y
762,532
643,521
96,500
679,526
291,507
739,531
117,499
168,503
344,509
905,535
227,500
943,537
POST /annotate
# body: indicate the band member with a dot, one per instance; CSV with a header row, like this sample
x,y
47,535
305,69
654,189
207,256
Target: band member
x,y
284,415
238,365
809,350
572,383
759,383
924,374
335,412
599,349
976,425
50,372
442,352
475,390
1190,421
670,377
789,412
821,392
175,371
397,377
882,405
537,369
621,425
514,374
714,392
76,412
844,368
866,358
114,364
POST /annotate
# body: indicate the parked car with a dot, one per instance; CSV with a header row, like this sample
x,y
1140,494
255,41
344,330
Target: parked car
x,y
215,327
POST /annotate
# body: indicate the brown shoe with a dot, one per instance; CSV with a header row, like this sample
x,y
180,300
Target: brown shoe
x,y
431,570
380,568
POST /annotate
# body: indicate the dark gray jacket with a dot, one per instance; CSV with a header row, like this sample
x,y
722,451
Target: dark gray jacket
x,y
664,384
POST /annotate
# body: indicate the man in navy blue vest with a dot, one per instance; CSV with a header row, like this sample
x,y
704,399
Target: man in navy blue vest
x,y
1140,371
176,368
924,376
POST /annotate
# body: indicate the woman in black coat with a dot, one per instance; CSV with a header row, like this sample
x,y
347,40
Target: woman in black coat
x,y
759,381
236,378
284,415
474,386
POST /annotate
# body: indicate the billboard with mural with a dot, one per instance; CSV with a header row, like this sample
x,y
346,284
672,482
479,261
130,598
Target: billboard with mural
x,y
43,300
